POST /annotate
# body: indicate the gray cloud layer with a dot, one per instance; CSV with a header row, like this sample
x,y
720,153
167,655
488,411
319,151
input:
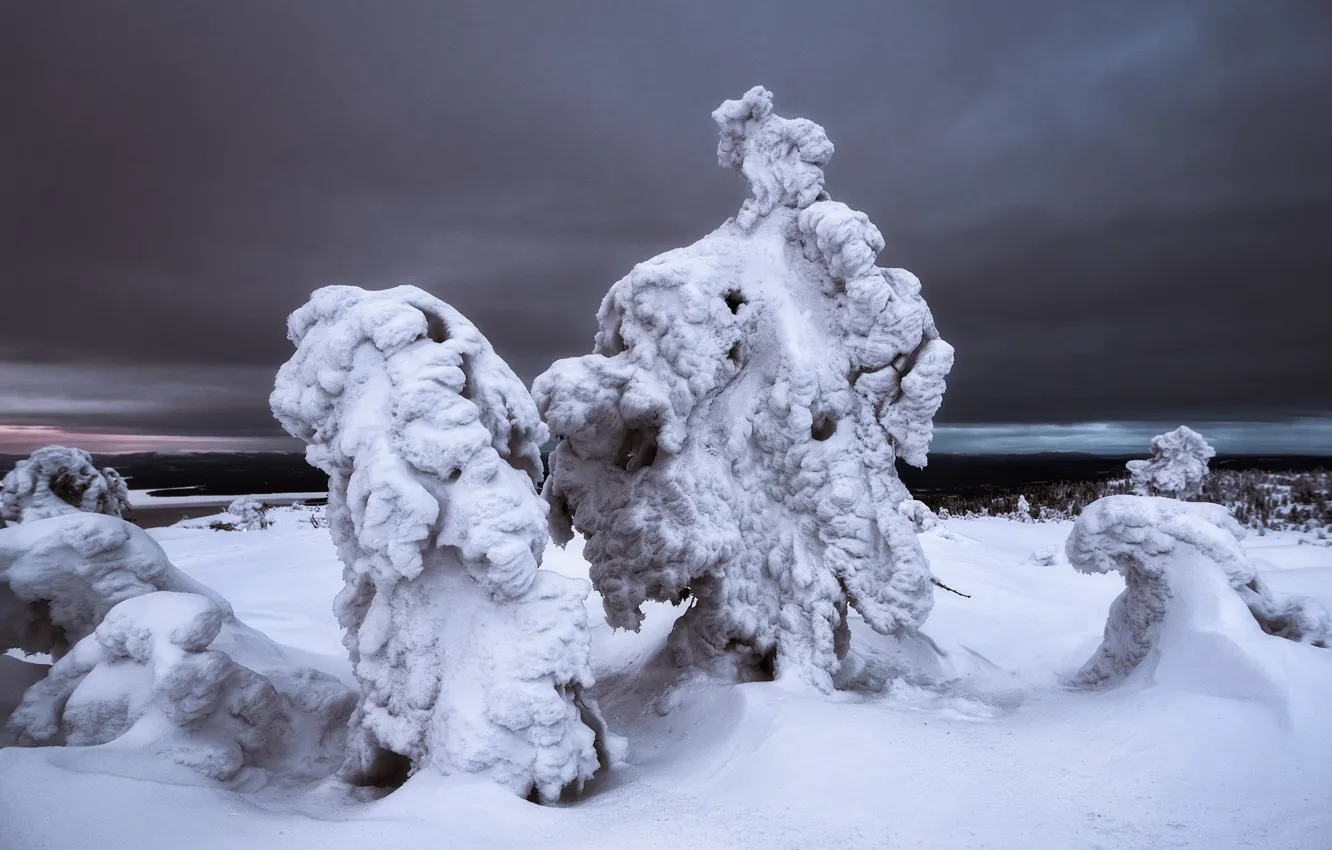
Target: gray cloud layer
x,y
1119,211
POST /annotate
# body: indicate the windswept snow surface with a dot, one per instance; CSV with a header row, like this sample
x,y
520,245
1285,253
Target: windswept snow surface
x,y
982,749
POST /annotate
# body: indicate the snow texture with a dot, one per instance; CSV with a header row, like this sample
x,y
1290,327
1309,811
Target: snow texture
x,y
251,514
1177,556
148,679
470,658
732,437
61,575
1178,465
55,480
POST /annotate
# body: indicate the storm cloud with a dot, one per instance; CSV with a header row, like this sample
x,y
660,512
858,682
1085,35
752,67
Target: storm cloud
x,y
1118,211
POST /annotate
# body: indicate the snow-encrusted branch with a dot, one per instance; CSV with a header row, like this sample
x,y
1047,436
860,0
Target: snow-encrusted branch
x,y
55,480
734,432
470,658
1174,556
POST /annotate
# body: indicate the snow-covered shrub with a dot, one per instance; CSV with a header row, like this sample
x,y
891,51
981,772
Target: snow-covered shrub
x,y
55,480
469,657
250,513
148,677
60,576
919,515
1178,465
732,437
1045,556
1179,560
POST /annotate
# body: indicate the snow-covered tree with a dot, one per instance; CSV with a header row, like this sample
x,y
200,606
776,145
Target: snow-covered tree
x,y
151,666
250,513
469,657
732,437
1182,562
60,576
1177,467
1023,510
56,480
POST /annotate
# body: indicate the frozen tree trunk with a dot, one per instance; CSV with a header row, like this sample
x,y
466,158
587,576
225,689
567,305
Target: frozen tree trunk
x,y
732,437
1182,563
470,658
1178,465
55,480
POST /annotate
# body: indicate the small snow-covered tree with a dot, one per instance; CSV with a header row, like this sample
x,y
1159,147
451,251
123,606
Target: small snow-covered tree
x,y
470,658
732,437
60,576
56,480
151,664
1182,561
1177,467
919,515
1023,510
250,513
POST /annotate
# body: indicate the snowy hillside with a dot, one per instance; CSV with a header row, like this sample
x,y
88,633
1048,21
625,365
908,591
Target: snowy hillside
x,y
986,748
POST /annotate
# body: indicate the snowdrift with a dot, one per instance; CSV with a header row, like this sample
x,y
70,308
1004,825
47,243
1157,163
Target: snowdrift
x,y
470,659
731,439
1193,601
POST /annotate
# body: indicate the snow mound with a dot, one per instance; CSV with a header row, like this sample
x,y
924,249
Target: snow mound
x,y
55,480
251,514
1178,465
147,679
470,658
61,575
1190,590
732,437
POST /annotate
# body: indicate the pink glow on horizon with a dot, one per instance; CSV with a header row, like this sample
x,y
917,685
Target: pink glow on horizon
x,y
23,439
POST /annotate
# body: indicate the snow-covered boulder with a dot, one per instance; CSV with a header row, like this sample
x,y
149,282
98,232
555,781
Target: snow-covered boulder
x,y
1190,589
1177,467
469,657
732,437
250,513
61,575
920,516
150,678
55,480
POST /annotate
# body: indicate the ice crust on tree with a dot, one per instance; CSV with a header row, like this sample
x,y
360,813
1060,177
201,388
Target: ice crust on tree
x,y
920,516
1185,574
1177,467
61,575
250,513
153,676
470,658
56,480
732,437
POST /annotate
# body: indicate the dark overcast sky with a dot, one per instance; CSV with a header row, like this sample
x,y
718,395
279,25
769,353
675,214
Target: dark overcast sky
x,y
1118,210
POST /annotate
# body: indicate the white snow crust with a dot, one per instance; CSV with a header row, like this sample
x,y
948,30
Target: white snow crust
x,y
1187,579
251,514
1177,467
732,437
470,659
56,480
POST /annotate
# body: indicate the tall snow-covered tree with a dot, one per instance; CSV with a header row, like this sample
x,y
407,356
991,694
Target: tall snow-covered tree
x,y
470,658
733,434
1177,467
